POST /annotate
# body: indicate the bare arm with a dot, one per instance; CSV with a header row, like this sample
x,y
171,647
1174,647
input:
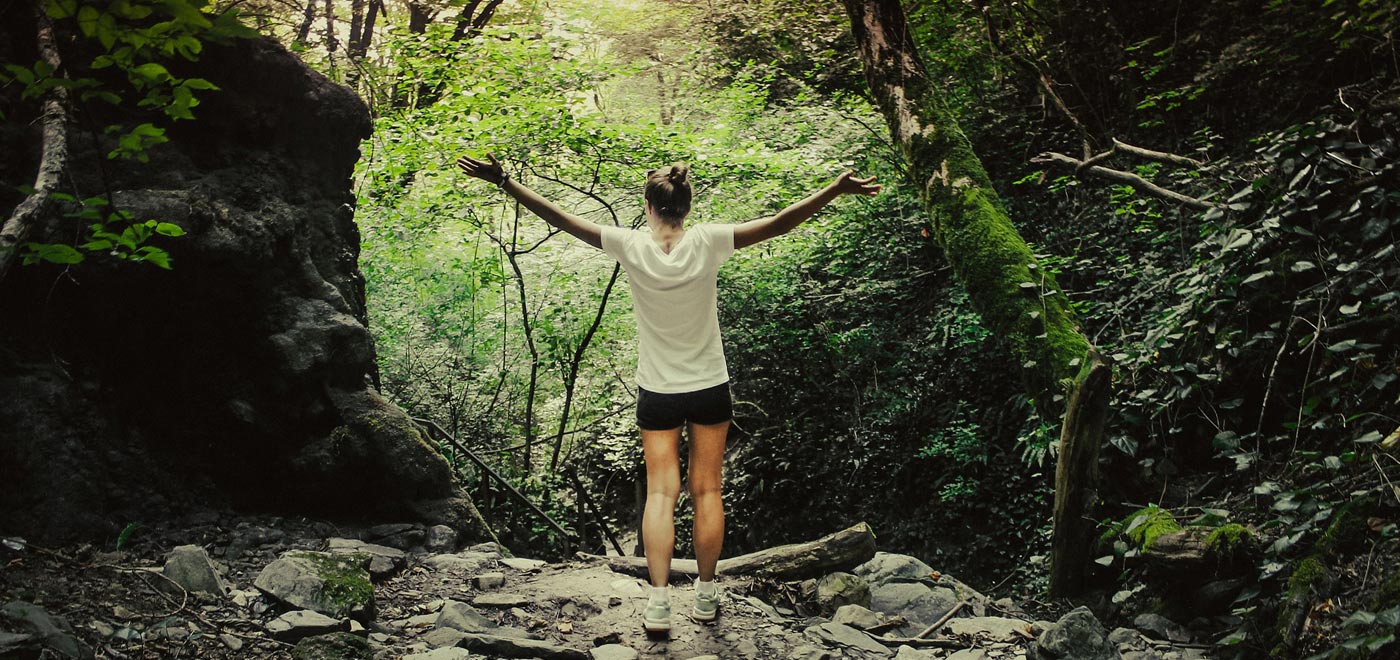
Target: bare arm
x,y
755,231
492,172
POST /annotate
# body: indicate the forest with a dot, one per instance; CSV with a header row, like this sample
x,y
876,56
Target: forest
x,y
1119,331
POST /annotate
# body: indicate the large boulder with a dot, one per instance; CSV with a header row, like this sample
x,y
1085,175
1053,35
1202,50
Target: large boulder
x,y
1076,636
128,391
334,585
919,604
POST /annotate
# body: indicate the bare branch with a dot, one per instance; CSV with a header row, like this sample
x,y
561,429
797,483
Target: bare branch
x,y
1138,183
54,156
1161,156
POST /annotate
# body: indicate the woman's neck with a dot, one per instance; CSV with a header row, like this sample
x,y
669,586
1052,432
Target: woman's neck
x,y
666,234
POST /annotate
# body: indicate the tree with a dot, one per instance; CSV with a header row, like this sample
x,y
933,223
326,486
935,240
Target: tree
x,y
1016,297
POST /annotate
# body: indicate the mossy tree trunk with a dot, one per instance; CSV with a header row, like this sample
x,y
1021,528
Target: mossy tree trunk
x,y
1016,297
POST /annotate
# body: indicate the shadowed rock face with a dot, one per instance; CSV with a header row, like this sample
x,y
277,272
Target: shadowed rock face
x,y
244,375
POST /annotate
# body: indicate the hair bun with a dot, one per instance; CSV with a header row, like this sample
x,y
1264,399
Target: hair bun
x,y
678,173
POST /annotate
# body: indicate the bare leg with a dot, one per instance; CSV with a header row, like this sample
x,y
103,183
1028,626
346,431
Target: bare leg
x,y
663,486
706,459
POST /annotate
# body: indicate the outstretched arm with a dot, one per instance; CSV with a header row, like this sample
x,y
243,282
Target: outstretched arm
x,y
755,231
492,172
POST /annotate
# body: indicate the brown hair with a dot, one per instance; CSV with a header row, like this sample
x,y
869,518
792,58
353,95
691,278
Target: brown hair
x,y
668,190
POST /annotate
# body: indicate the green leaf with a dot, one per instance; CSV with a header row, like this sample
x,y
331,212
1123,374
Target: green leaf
x,y
169,229
57,253
61,8
152,71
87,20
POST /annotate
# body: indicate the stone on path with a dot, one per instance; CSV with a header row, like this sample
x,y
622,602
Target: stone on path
x,y
844,635
970,654
440,654
1077,636
837,589
502,600
918,603
462,562
1157,626
990,628
521,563
520,648
383,560
404,536
441,637
334,646
489,581
885,566
300,624
612,652
441,538
462,617
855,616
326,583
34,625
189,566
911,653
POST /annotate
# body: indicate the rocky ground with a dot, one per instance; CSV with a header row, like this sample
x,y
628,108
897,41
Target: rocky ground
x,y
225,586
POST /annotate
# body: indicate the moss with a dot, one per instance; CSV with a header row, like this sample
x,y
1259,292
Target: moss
x,y
1347,531
345,582
1230,541
1142,527
1306,577
1388,594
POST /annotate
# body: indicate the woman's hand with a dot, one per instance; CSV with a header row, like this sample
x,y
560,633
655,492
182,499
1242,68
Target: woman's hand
x,y
491,172
848,184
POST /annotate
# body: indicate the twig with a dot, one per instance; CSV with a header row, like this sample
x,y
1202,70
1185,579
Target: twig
x,y
1138,183
1156,155
944,619
938,642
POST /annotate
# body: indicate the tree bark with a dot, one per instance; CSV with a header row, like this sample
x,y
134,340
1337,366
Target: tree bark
x,y
330,27
357,21
53,157
1015,296
307,17
841,551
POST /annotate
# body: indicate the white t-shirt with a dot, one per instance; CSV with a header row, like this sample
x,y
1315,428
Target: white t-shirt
x,y
674,300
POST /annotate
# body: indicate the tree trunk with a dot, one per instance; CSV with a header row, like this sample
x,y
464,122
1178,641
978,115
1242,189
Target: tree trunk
x,y
307,17
330,27
1014,295
53,158
418,18
841,551
357,20
360,46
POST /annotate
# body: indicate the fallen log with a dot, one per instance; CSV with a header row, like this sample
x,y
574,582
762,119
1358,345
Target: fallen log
x,y
843,550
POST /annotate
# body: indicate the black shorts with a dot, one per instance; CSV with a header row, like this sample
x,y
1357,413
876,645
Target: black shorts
x,y
662,412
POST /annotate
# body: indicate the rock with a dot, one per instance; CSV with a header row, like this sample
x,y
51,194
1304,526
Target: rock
x,y
334,646
970,654
440,637
189,566
463,562
1160,627
990,628
489,581
34,626
520,648
330,584
847,636
522,564
705,657
857,617
911,653
300,624
273,376
461,617
489,547
1217,596
612,652
746,648
1127,639
403,536
383,560
440,654
1077,636
11,643
886,565
811,653
837,589
233,643
441,538
501,600
628,586
1009,608
918,603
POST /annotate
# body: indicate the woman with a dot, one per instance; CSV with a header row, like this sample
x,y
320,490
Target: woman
x,y
682,378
